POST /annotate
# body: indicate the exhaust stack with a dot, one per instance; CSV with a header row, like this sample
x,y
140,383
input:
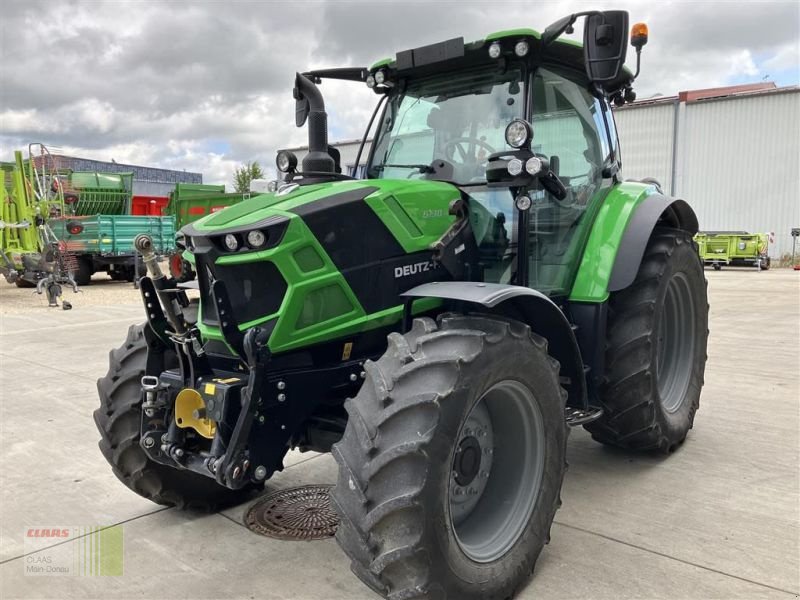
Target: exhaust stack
x,y
310,105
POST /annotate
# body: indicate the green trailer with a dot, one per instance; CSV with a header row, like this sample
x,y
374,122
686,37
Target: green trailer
x,y
101,202
189,202
106,242
733,248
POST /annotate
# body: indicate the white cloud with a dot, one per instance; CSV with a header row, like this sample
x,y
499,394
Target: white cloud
x,y
206,86
786,57
742,63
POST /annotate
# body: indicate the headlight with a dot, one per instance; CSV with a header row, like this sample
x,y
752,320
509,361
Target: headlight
x,y
286,161
518,133
380,77
494,50
272,186
370,81
514,167
231,242
521,48
523,202
533,165
256,238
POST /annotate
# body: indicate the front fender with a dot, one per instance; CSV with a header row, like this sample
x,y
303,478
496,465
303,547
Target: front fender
x,y
529,306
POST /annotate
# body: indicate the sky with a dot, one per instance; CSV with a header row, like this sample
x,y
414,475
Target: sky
x,y
207,86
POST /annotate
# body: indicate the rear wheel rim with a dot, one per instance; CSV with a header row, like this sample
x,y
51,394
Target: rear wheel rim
x,y
675,343
497,470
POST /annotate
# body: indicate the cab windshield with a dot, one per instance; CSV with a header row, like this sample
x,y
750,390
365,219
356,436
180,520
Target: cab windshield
x,y
458,118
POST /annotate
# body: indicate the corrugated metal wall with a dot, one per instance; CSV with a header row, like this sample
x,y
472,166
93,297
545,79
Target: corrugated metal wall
x,y
737,159
645,134
740,166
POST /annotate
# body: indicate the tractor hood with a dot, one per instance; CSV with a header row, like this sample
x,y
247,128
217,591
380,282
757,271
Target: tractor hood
x,y
410,208
331,258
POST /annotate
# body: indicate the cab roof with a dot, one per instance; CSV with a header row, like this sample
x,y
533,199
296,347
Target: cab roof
x,y
563,50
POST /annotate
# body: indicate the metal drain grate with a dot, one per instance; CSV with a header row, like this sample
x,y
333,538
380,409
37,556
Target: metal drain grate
x,y
301,513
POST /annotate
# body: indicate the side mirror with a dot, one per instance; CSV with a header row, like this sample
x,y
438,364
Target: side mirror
x,y
301,109
605,44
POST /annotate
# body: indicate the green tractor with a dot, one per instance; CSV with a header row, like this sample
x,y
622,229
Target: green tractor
x,y
439,325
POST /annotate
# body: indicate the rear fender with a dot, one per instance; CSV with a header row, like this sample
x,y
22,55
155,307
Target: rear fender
x,y
656,211
620,234
523,304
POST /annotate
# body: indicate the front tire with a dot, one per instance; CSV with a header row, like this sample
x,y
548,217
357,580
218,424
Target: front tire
x,y
656,349
119,421
451,465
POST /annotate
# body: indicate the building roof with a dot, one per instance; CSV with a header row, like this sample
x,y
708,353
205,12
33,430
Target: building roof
x,y
721,92
717,93
140,173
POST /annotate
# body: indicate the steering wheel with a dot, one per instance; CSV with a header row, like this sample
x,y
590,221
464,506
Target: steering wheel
x,y
457,145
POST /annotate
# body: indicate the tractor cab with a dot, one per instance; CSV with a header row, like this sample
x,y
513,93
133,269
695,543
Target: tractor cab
x,y
519,122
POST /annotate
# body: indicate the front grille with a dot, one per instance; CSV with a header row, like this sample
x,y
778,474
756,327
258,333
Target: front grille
x,y
255,289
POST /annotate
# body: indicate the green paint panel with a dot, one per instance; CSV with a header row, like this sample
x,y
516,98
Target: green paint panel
x,y
594,273
385,62
308,259
322,305
319,305
416,212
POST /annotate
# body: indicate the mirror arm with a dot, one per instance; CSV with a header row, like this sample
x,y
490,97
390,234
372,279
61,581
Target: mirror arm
x,y
638,61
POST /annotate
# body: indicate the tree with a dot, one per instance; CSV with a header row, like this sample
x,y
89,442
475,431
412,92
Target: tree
x,y
245,174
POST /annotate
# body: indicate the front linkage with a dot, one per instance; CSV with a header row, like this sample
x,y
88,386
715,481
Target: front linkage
x,y
235,403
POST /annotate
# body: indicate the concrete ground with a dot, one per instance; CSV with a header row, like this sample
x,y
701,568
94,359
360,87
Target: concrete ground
x,y
718,519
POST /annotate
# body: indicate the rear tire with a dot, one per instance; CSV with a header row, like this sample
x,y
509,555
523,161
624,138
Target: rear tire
x,y
764,264
23,283
656,349
83,274
119,420
415,436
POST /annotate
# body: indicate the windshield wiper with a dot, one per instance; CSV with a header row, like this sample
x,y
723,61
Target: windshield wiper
x,y
422,168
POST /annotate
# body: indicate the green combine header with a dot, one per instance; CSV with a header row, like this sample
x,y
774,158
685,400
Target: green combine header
x,y
733,248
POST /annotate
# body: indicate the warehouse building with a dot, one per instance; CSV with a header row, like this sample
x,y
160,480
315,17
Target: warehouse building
x,y
147,181
733,153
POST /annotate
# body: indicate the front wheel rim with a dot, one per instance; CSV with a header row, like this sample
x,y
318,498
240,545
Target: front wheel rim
x,y
491,499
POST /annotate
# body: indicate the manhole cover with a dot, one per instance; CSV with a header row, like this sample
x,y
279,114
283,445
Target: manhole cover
x,y
301,513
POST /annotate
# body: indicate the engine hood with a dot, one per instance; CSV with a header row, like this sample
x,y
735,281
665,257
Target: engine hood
x,y
421,201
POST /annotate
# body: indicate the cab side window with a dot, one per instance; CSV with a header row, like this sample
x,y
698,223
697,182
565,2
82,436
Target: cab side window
x,y
569,130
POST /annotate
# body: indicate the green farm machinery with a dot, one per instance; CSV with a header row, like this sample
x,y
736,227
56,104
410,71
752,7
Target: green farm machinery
x,y
31,254
733,248
438,325
86,214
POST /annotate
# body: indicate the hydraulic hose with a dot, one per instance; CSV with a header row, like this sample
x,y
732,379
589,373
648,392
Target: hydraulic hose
x,y
143,244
